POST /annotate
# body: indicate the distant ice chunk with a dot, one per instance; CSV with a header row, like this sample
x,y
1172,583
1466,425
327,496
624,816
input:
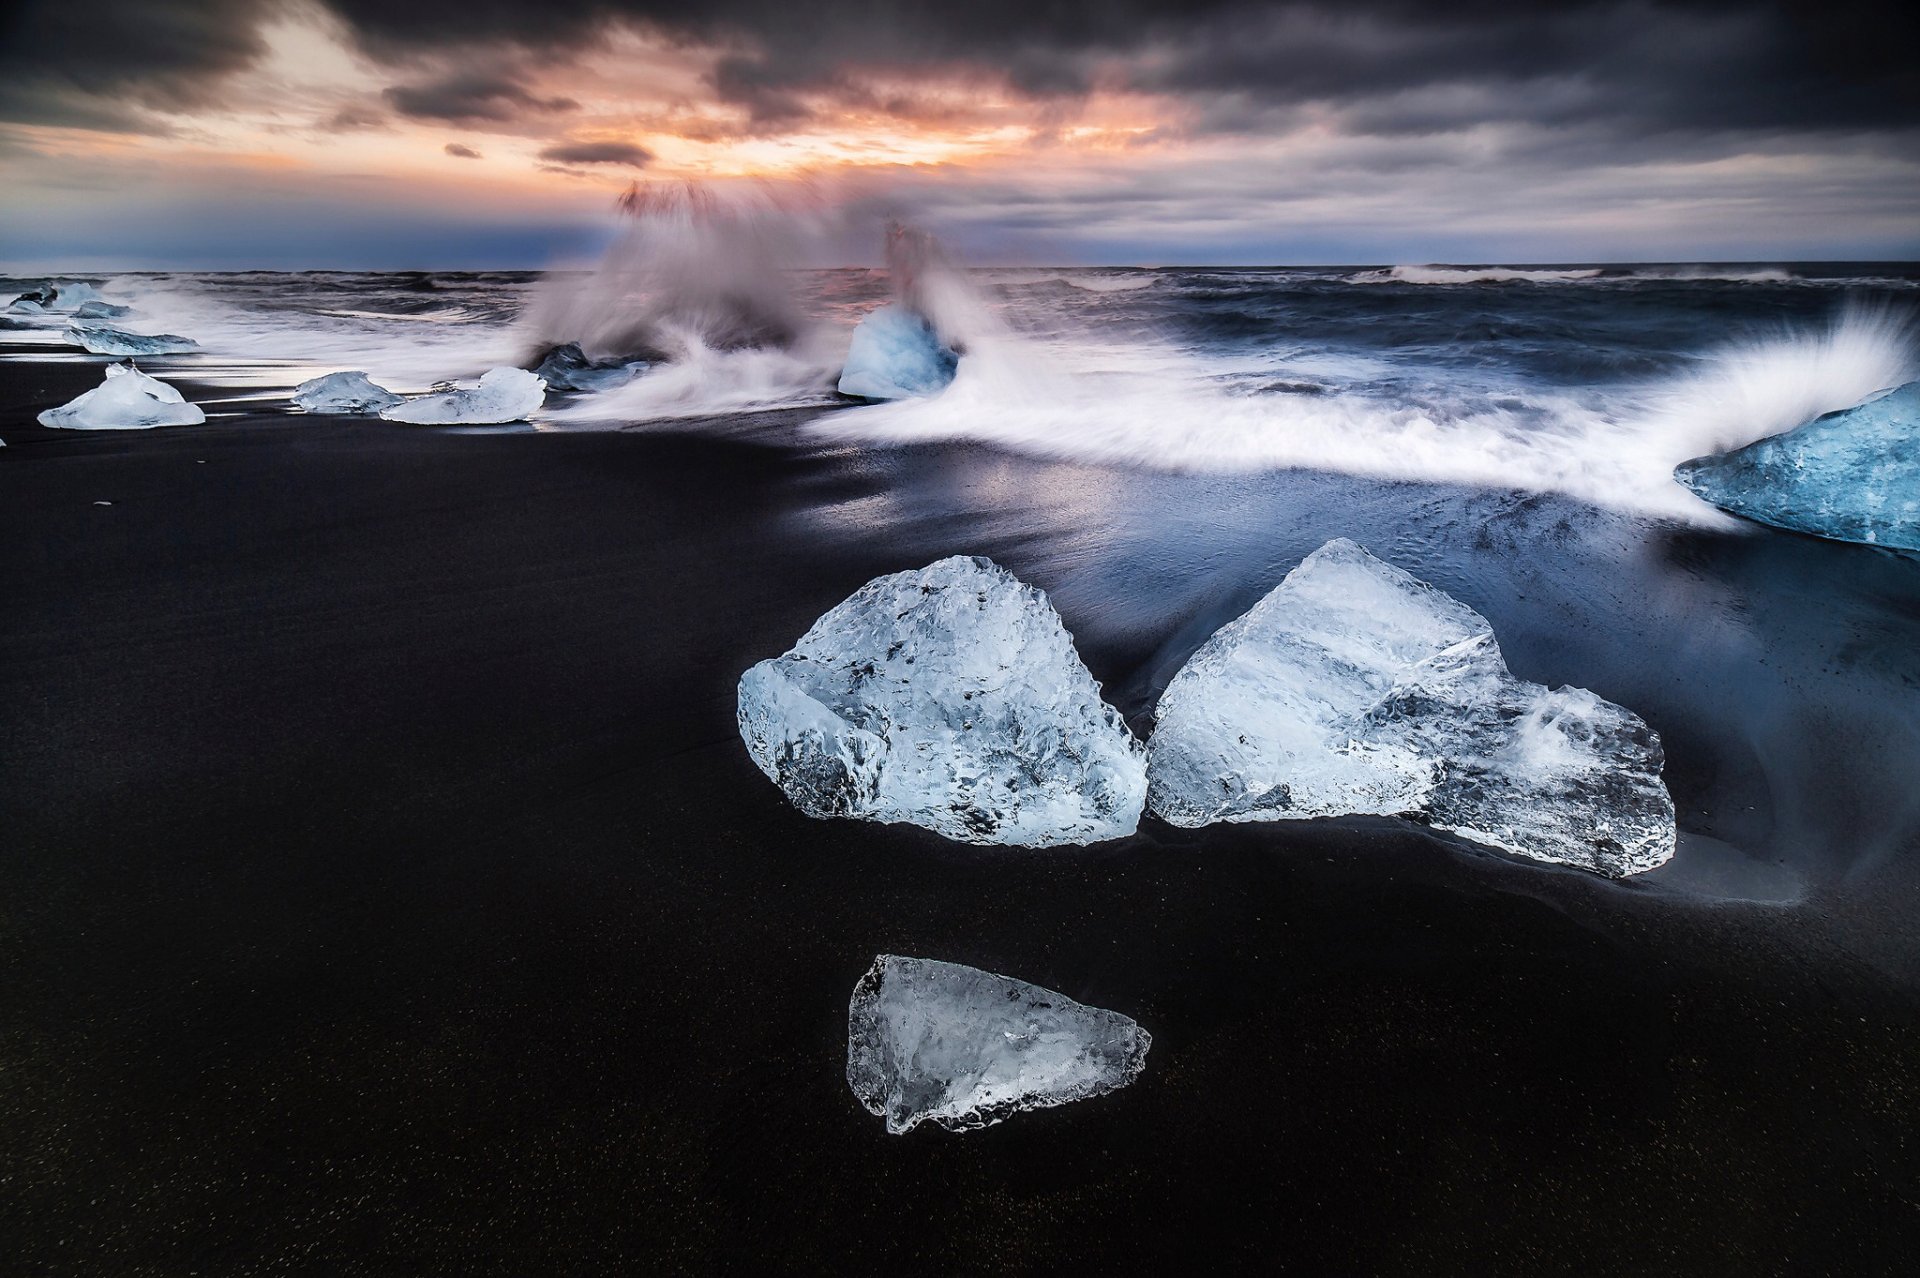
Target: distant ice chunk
x,y
567,368
897,355
939,1042
503,395
1853,475
1355,688
951,698
343,393
100,310
102,340
127,400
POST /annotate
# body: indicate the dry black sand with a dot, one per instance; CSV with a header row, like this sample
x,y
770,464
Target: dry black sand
x,y
383,888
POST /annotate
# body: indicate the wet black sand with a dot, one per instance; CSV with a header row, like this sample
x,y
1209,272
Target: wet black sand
x,y
383,888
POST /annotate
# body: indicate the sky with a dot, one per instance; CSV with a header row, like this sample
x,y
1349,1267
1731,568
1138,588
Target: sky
x,y
478,134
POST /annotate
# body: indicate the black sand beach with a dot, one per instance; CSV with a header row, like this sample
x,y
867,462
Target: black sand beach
x,y
386,889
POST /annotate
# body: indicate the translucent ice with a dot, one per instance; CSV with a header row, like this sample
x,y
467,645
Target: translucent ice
x,y
127,400
951,698
567,368
504,395
102,340
896,355
343,393
1853,475
932,1041
100,310
1355,688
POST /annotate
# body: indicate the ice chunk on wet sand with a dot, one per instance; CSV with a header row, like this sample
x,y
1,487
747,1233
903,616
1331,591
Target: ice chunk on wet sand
x,y
1355,688
127,400
503,395
1853,475
351,392
951,698
102,340
938,1042
896,355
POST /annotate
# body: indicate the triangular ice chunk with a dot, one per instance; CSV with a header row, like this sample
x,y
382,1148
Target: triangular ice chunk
x,y
1853,475
932,1041
1355,688
127,400
350,392
951,698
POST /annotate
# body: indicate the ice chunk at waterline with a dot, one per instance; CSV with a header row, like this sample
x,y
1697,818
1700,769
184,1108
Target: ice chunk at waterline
x,y
964,1048
102,340
567,368
951,698
896,355
343,393
127,400
504,395
1355,688
1853,475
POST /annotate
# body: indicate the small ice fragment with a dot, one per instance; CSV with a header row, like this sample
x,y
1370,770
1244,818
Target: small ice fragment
x,y
102,340
897,355
1853,475
100,310
503,395
343,393
951,698
939,1042
1353,687
127,400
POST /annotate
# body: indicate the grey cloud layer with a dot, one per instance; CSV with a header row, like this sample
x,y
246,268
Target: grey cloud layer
x,y
1400,66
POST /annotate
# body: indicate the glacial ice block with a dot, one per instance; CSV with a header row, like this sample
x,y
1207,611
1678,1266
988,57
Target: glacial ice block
x,y
567,368
503,395
896,355
1355,688
127,400
951,698
350,392
931,1041
100,310
1853,475
102,340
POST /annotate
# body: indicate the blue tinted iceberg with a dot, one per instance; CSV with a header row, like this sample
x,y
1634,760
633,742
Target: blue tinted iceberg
x,y
1355,688
503,395
1853,475
951,698
897,355
100,310
938,1042
102,340
343,393
127,400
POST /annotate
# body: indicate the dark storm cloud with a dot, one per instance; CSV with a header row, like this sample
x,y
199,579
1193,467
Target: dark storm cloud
x,y
1677,64
598,153
1645,66
471,97
103,63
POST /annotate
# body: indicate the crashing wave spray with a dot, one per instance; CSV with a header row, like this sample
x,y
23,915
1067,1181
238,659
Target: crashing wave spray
x,y
694,269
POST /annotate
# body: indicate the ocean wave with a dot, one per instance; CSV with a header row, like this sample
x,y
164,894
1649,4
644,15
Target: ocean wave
x,y
1615,449
1474,275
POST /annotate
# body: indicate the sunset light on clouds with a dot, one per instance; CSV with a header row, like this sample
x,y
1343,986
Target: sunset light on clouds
x,y
247,132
